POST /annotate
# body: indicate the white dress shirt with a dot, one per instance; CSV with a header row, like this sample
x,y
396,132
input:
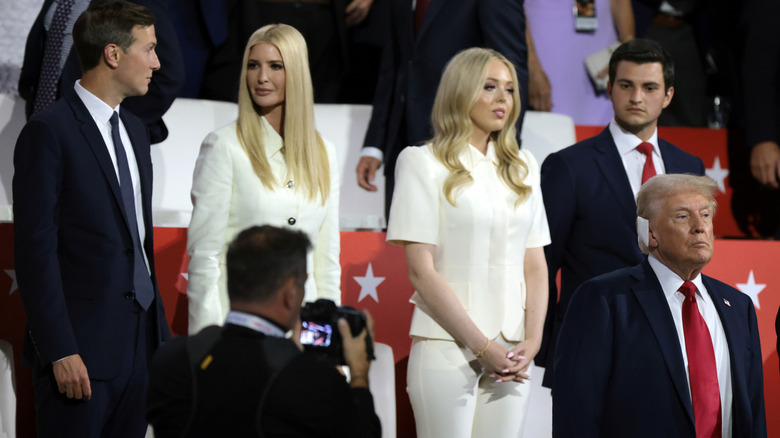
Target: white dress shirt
x,y
228,197
670,283
633,160
480,242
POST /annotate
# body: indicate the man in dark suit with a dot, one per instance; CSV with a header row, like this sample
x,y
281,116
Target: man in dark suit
x,y
657,349
589,188
83,245
421,43
149,108
249,379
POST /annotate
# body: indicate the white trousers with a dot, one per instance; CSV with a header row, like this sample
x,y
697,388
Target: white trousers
x,y
452,396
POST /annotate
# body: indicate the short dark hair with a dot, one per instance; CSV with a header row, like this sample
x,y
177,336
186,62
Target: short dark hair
x,y
261,258
107,22
643,51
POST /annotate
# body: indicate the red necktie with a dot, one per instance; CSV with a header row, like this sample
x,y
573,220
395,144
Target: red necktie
x,y
649,170
703,372
419,14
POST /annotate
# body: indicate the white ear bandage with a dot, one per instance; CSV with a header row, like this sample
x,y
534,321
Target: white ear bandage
x,y
643,231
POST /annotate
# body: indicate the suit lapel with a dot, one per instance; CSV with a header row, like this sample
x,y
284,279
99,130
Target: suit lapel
x,y
403,16
648,292
611,166
730,322
668,154
96,144
433,9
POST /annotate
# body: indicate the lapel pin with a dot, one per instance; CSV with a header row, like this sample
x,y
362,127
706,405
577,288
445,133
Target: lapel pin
x,y
727,302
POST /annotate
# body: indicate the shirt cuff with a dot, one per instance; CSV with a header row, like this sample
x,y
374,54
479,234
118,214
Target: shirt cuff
x,y
373,152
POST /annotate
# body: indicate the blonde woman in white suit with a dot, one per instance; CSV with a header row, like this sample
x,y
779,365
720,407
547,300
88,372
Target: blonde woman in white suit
x,y
268,167
468,211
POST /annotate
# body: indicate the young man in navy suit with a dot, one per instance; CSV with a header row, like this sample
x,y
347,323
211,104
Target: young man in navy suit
x,y
83,244
657,349
589,188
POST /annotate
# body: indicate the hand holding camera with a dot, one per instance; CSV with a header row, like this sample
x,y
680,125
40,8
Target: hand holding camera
x,y
357,355
342,343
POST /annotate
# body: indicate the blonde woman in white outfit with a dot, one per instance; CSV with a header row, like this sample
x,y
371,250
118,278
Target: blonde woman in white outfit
x,y
468,210
269,167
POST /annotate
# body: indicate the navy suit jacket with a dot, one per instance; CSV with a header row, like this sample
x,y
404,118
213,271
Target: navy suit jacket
x,y
619,369
591,211
150,107
73,249
411,67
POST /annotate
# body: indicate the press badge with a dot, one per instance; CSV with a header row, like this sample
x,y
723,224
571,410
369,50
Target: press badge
x,y
585,16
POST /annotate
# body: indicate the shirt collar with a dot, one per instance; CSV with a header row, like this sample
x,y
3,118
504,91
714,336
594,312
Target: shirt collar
x,y
471,157
99,110
272,141
671,282
254,322
627,142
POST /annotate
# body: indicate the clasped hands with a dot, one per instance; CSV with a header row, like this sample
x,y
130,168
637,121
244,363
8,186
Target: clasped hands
x,y
509,365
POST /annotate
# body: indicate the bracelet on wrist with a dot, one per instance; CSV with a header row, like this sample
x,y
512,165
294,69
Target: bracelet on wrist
x,y
482,352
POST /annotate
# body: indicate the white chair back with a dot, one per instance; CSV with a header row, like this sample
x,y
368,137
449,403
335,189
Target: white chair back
x,y
545,133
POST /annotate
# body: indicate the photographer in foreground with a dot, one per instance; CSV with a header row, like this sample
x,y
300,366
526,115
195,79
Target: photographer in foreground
x,y
246,379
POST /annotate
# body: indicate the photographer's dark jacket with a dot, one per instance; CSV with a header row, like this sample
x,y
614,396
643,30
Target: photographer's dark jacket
x,y
307,398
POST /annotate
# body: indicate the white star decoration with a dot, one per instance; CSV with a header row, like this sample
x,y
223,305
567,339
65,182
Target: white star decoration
x,y
14,286
186,275
718,174
368,284
751,289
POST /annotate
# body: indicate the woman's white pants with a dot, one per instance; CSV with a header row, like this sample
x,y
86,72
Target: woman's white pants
x,y
452,396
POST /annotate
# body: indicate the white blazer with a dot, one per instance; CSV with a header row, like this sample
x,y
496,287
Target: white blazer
x,y
228,197
480,242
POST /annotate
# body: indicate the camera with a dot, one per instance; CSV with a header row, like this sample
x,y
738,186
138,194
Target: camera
x,y
320,333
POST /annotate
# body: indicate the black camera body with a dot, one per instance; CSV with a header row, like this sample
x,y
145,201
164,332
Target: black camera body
x,y
320,333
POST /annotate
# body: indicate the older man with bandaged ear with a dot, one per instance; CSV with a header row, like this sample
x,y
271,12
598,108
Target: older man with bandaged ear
x,y
659,349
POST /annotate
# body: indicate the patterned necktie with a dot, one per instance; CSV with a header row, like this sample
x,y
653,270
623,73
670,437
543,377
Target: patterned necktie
x,y
649,170
144,291
50,67
702,370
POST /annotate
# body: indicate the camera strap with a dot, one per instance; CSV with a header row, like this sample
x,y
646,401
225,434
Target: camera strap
x,y
277,351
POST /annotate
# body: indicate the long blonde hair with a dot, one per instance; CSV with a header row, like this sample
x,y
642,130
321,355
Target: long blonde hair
x,y
459,89
304,151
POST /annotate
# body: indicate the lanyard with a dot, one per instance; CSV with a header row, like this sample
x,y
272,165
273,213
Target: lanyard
x,y
254,322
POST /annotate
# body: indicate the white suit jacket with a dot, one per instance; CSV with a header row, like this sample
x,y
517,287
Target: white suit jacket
x,y
228,197
480,242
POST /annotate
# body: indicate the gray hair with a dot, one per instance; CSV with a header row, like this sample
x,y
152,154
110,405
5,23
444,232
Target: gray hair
x,y
658,188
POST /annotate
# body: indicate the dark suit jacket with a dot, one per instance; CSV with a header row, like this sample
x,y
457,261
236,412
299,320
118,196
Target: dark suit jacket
x,y
201,26
308,397
221,76
73,249
150,107
411,67
592,215
761,72
619,367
